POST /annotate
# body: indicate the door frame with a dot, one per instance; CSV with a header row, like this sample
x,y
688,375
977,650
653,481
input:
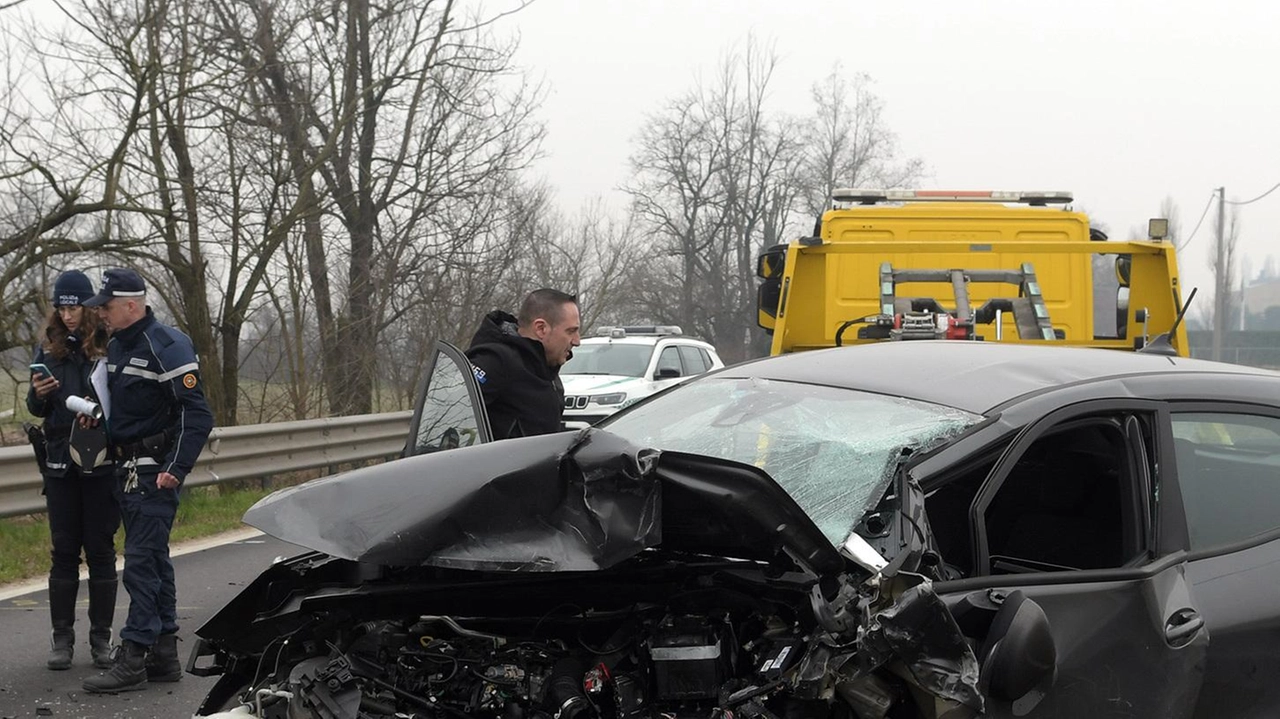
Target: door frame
x,y
443,349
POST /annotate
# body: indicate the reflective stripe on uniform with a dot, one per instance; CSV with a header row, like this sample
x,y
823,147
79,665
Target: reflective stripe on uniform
x,y
148,374
189,367
145,374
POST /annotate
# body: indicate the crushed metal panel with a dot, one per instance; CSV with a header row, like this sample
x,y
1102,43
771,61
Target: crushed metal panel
x,y
559,502
919,630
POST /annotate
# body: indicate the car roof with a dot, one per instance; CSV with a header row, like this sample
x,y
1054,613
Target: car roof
x,y
973,376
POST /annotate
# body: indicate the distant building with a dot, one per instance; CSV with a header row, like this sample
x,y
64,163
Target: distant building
x,y
1261,305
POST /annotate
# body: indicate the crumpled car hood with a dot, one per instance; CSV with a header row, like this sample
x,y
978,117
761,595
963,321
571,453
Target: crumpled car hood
x,y
560,502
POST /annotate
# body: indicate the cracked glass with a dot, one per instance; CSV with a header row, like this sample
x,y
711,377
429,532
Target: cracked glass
x,y
833,450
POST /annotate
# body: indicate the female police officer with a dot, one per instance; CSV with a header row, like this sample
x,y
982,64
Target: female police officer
x,y
82,510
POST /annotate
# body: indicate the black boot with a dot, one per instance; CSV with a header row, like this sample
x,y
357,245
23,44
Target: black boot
x,y
162,660
128,671
62,614
102,609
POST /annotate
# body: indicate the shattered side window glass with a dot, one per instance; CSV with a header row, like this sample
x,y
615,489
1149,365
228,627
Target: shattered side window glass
x,y
448,417
833,450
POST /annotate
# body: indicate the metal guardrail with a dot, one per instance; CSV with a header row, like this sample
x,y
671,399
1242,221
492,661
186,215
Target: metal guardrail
x,y
236,453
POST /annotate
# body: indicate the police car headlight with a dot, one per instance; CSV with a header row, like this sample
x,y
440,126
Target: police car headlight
x,y
612,398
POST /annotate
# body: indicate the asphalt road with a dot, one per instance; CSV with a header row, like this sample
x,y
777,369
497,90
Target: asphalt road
x,y
207,578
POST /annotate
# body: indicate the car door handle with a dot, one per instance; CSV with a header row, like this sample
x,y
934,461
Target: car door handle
x,y
1181,626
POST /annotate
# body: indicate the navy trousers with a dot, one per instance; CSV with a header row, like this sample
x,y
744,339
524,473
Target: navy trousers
x,y
148,516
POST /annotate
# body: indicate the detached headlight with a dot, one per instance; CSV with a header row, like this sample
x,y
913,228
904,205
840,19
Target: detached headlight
x,y
613,398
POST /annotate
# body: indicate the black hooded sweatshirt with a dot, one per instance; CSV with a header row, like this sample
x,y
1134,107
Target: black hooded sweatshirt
x,y
523,396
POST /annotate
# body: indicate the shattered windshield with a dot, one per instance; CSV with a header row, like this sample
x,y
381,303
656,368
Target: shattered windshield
x,y
833,450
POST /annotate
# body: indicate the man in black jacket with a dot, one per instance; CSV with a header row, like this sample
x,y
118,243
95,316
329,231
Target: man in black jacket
x,y
516,361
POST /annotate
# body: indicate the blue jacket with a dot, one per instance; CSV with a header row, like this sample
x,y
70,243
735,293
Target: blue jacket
x,y
72,373
154,381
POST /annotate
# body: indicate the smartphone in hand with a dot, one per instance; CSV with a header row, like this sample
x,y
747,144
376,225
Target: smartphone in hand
x,y
39,368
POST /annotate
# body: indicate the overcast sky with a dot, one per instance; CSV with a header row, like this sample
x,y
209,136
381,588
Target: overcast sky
x,y
1119,102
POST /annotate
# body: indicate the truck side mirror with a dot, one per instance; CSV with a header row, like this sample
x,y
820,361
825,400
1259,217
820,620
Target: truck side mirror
x,y
1124,269
770,263
668,373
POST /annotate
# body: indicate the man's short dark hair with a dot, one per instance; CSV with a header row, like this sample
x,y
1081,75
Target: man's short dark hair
x,y
545,303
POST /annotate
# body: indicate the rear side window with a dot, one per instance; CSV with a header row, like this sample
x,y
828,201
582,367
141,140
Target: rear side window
x,y
1229,473
693,363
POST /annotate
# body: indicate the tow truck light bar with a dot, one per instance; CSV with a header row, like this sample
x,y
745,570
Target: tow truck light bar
x,y
871,197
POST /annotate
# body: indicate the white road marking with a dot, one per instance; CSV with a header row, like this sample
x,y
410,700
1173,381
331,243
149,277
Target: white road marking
x,y
248,535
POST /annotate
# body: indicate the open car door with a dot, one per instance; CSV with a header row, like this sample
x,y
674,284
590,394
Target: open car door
x,y
1072,517
450,410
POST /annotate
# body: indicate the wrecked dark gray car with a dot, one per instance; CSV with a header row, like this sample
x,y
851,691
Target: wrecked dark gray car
x,y
948,529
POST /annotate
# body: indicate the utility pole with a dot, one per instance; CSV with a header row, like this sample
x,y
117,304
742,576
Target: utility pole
x,y
1221,280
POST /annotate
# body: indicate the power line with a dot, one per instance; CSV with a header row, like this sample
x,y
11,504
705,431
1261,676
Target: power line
x,y
1204,214
1259,197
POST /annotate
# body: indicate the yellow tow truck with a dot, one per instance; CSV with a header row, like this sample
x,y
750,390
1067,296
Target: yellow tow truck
x,y
967,265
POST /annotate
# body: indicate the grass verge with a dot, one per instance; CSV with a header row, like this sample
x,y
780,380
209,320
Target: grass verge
x,y
204,511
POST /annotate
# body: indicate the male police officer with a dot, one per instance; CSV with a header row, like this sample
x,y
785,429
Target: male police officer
x,y
517,363
157,423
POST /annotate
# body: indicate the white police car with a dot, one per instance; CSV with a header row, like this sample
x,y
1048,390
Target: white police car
x,y
622,365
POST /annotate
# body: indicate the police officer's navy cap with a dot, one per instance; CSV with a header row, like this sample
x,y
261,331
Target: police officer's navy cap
x,y
118,282
71,288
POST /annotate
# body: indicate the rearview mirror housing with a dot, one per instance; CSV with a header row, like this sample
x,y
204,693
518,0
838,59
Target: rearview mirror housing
x,y
1019,654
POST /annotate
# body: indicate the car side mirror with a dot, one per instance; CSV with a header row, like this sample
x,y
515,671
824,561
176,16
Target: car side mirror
x,y
668,373
1019,654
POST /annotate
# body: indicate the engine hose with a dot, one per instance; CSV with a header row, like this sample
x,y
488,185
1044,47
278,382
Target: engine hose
x,y
565,685
463,631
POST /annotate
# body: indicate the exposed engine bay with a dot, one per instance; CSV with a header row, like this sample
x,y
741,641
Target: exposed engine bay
x,y
709,651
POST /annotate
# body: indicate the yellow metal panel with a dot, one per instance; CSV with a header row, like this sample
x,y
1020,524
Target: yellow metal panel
x,y
839,280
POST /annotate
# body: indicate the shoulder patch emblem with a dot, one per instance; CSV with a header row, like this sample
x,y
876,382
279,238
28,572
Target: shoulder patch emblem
x,y
189,380
479,373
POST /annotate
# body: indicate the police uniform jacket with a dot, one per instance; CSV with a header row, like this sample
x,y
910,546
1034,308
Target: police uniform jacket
x,y
154,379
522,395
72,373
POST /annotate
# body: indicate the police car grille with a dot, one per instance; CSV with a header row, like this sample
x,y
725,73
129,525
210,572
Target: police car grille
x,y
576,401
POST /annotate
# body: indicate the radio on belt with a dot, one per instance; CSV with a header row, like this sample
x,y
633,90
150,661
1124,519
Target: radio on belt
x,y
690,660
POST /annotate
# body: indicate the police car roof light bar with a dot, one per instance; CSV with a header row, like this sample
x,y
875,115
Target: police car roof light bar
x,y
625,330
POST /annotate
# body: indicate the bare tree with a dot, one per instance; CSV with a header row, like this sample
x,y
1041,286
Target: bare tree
x,y
393,115
65,132
676,197
719,178
849,143
591,254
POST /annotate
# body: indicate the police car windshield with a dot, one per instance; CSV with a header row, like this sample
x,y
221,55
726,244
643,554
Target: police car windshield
x,y
623,360
833,450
